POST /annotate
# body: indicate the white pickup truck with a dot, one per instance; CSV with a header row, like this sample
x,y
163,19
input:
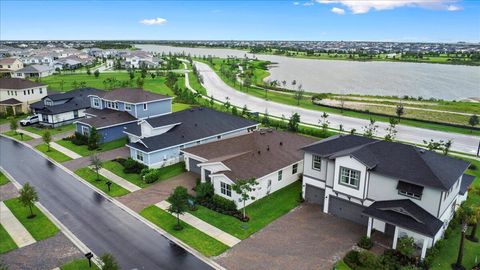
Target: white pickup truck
x,y
32,119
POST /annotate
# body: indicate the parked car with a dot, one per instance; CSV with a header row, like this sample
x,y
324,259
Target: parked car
x,y
32,119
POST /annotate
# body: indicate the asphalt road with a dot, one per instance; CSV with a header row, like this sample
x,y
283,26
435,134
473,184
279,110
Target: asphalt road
x,y
97,222
220,90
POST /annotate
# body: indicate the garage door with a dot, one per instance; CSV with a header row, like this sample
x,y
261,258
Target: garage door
x,y
193,166
314,194
347,210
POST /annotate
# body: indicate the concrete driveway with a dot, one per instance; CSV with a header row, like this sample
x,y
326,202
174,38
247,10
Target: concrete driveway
x,y
305,238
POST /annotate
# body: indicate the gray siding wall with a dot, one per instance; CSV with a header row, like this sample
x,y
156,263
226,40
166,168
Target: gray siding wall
x,y
153,109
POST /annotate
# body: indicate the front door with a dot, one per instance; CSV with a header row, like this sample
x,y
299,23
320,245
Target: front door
x,y
389,229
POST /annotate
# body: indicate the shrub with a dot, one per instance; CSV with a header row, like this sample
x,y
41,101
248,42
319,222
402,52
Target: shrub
x,y
406,246
131,166
368,260
433,252
351,259
78,139
225,204
150,177
365,242
204,191
473,167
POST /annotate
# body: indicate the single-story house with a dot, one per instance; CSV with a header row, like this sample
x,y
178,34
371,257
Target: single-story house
x,y
157,141
273,158
34,71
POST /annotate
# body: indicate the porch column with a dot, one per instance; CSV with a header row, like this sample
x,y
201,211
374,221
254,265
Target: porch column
x,y
395,237
369,227
424,248
202,175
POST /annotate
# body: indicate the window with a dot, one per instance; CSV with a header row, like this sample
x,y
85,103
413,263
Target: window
x,y
115,105
139,156
19,74
24,92
280,175
409,194
316,162
410,190
128,107
294,168
145,106
85,130
226,189
48,102
219,137
96,102
41,90
349,177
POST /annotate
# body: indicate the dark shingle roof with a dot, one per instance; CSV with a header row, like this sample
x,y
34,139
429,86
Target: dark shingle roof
x,y
467,180
76,99
16,83
195,124
405,162
34,69
255,154
107,117
10,101
132,95
405,214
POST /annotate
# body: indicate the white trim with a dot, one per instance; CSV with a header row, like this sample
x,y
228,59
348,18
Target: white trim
x,y
108,126
83,130
117,100
145,106
194,156
125,106
156,115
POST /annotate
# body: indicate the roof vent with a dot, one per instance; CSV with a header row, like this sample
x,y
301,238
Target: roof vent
x,y
422,151
259,152
268,147
281,143
195,124
103,117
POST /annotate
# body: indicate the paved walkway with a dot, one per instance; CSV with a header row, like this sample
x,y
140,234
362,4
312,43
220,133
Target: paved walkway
x,y
55,138
47,254
118,180
31,134
203,226
8,191
138,200
15,229
83,162
64,150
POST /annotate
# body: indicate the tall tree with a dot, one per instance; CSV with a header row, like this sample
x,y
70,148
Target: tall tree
x,y
473,234
466,215
178,204
47,139
28,197
96,164
244,187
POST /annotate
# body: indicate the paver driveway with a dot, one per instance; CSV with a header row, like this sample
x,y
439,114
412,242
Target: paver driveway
x,y
305,238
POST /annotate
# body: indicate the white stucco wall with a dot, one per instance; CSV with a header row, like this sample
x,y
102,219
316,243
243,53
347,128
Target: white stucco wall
x,y
36,93
350,163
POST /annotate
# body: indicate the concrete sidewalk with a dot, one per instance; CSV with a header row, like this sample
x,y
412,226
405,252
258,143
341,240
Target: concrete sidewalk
x,y
31,134
203,226
118,180
15,229
122,152
64,150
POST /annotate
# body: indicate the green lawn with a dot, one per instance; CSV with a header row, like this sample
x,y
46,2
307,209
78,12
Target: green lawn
x,y
54,154
91,177
341,265
17,136
176,107
165,172
83,149
6,242
3,179
189,235
79,264
261,212
53,131
40,227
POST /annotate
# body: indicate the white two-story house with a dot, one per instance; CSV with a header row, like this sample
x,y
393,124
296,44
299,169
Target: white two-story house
x,y
392,188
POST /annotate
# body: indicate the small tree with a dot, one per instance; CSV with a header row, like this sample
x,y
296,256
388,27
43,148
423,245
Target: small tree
x,y
293,122
324,121
370,129
299,94
96,164
466,215
93,139
178,204
244,110
109,262
243,187
96,73
391,130
47,139
473,121
433,145
89,72
399,111
446,146
14,125
28,197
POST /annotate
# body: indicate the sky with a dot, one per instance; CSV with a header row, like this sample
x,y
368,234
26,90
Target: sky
x,y
366,20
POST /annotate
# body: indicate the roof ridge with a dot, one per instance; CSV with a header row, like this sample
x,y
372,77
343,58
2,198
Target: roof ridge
x,y
420,154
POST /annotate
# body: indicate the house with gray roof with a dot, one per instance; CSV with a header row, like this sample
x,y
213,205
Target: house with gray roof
x,y
158,141
393,189
111,112
59,109
34,71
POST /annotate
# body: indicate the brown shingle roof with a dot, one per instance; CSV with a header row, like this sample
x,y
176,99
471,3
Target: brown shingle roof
x,y
16,83
106,117
132,95
8,61
255,154
10,101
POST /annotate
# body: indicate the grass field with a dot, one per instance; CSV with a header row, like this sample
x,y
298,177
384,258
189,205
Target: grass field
x,y
3,179
40,227
79,264
176,107
91,177
53,131
54,154
6,242
261,212
205,244
84,151
17,135
135,178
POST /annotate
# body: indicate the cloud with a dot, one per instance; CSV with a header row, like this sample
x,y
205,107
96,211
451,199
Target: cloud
x,y
296,3
364,6
339,11
155,21
308,4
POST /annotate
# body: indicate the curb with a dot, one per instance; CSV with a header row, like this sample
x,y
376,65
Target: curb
x,y
194,252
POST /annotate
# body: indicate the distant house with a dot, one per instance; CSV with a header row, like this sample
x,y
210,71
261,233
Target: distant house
x,y
158,141
273,158
10,65
34,71
63,108
17,94
113,111
393,189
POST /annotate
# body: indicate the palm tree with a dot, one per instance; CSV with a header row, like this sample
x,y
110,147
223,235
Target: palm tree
x,y
28,197
473,234
466,214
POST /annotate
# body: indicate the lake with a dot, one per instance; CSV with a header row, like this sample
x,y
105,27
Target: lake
x,y
450,82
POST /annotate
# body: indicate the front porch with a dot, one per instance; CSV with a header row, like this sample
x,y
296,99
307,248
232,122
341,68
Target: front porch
x,y
12,107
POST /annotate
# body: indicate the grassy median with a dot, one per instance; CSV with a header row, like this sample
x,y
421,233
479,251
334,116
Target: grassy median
x,y
3,179
53,131
6,242
18,135
79,264
91,177
84,151
52,153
